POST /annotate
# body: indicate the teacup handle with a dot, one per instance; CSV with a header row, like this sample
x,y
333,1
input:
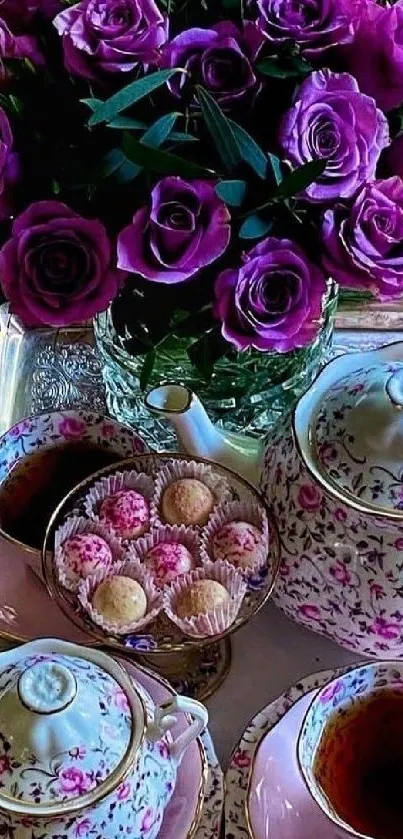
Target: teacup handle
x,y
163,720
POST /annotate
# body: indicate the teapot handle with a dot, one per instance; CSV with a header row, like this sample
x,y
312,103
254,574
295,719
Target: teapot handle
x,y
163,720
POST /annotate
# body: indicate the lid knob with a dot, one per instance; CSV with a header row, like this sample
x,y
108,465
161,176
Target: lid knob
x,y
394,388
47,687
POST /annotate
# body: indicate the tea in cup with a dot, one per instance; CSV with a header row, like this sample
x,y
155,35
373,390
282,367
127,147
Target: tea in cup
x,y
350,750
42,458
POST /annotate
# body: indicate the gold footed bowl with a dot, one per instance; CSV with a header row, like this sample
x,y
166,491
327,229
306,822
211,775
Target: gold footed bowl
x,y
195,665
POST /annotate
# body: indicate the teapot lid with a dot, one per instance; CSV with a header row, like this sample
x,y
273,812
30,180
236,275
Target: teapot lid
x,y
356,438
68,731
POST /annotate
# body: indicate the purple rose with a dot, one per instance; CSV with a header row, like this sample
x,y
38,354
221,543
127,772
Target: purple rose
x,y
17,46
19,13
375,57
221,59
56,268
314,26
364,242
273,301
332,120
185,228
9,166
103,37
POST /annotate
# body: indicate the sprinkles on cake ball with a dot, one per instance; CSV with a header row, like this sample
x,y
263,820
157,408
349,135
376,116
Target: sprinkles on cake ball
x,y
237,533
84,548
167,552
121,502
127,513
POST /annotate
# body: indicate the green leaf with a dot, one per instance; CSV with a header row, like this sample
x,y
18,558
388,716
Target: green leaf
x,y
299,179
220,129
251,153
130,94
161,161
232,192
286,67
115,162
17,105
92,103
127,123
275,168
254,228
192,324
147,368
207,350
156,135
182,137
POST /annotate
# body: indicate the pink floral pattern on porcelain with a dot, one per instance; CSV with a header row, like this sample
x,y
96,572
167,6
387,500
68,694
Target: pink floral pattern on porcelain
x,y
288,811
330,703
135,808
45,430
79,769
341,572
346,447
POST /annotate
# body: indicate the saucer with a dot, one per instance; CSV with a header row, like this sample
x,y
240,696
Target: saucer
x,y
266,797
26,609
195,809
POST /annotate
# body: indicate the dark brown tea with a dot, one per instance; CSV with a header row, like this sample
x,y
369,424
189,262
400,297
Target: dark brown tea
x,y
39,481
359,765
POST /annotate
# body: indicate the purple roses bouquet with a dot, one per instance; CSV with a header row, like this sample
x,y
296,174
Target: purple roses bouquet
x,y
203,169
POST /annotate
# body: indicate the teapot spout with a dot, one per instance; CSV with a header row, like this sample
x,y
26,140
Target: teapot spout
x,y
198,436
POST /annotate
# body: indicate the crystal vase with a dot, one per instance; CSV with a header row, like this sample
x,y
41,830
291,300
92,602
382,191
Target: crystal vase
x,y
247,392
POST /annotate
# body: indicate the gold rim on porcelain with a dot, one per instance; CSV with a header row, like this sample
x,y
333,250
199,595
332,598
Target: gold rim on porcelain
x,y
61,809
31,418
318,475
202,752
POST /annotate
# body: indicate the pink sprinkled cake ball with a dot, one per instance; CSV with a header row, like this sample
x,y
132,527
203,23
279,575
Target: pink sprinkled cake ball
x,y
84,554
167,561
239,543
127,513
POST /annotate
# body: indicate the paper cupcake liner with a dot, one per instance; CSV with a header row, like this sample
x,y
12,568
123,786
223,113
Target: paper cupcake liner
x,y
226,513
187,536
178,469
71,527
116,483
217,620
126,569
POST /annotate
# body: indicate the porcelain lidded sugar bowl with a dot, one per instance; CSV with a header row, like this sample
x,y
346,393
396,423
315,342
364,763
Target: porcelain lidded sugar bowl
x,y
83,749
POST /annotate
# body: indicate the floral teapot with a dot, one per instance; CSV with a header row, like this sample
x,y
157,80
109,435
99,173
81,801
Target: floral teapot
x,y
83,749
332,473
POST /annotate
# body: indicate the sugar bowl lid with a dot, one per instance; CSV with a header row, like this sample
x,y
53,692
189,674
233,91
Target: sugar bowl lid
x,y
68,728
354,439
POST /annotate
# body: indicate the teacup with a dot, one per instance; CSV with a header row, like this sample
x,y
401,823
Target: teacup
x,y
31,448
350,750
